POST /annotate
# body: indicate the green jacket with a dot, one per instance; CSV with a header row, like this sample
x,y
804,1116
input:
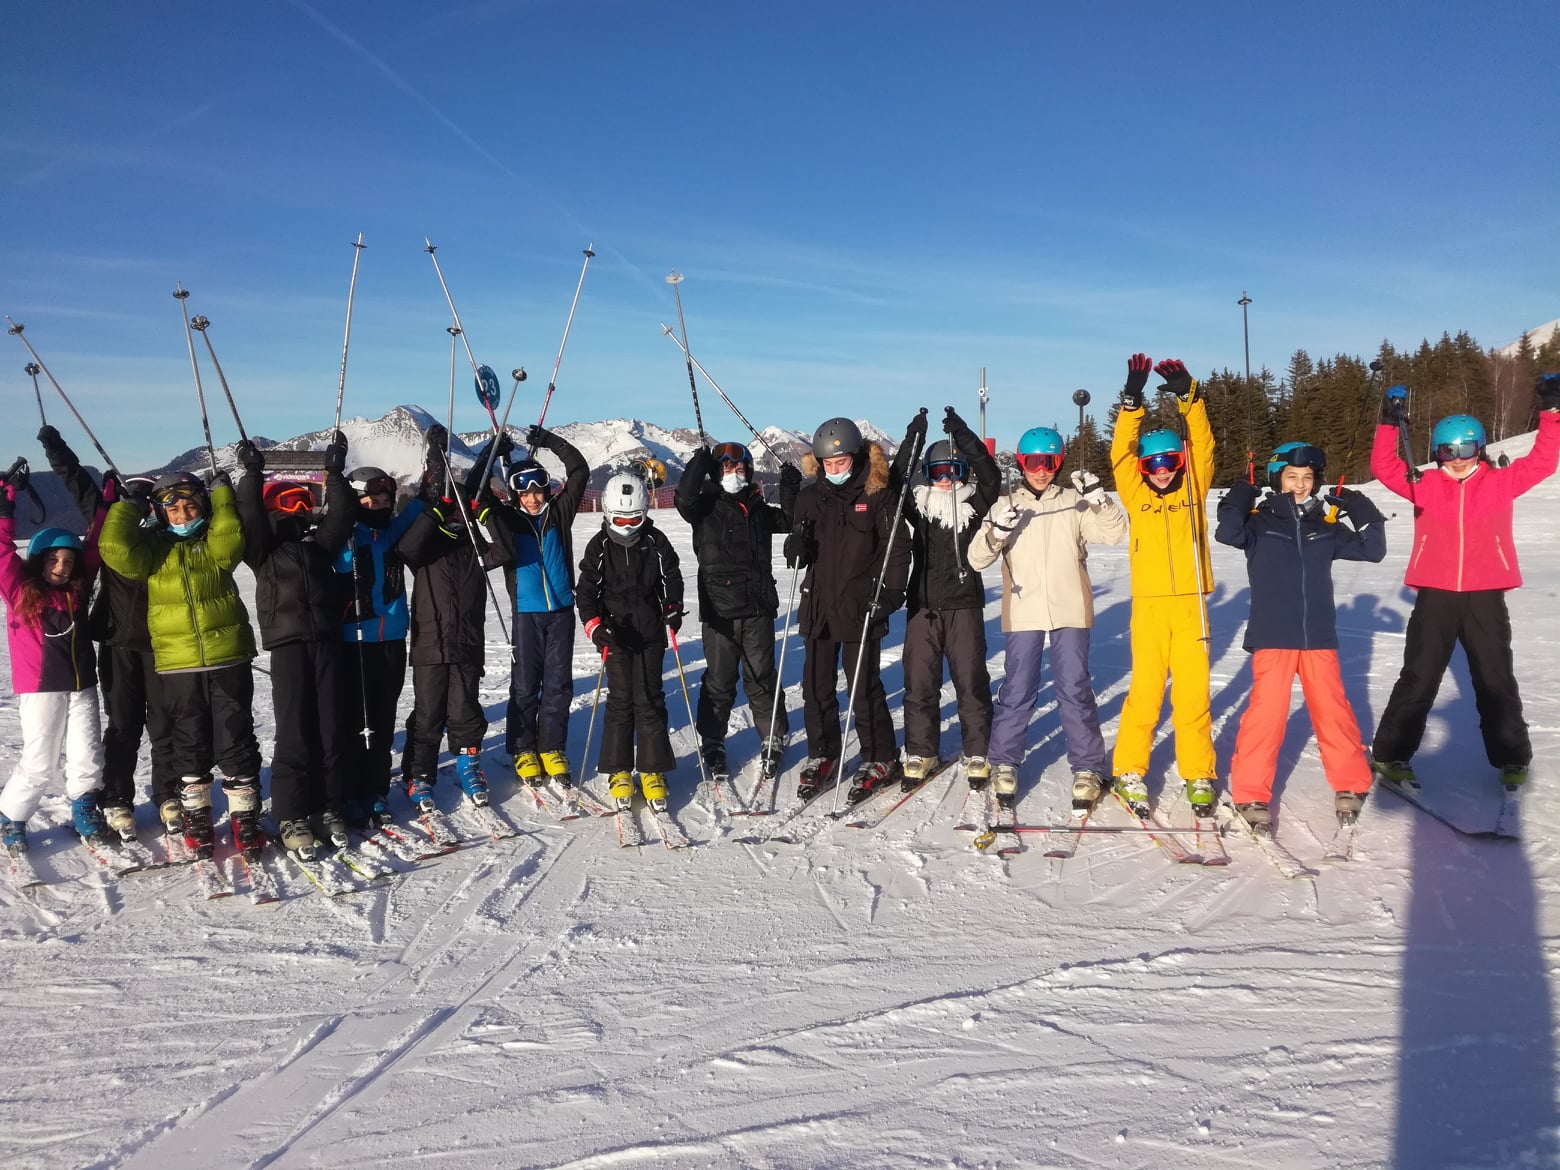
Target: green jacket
x,y
194,613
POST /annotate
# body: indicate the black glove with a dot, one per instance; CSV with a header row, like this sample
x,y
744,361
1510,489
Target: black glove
x,y
599,633
1243,493
49,437
505,446
1138,366
7,502
674,616
336,455
1547,390
799,550
1356,505
249,456
438,436
952,423
701,464
1393,404
536,436
888,601
1178,380
916,428
790,484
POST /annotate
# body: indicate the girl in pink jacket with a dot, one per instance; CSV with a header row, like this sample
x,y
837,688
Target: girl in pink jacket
x,y
1462,563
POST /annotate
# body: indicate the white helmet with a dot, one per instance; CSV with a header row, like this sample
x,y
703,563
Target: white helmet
x,y
625,501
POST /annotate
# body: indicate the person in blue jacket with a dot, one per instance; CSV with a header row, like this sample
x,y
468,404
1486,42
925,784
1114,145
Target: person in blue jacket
x,y
374,639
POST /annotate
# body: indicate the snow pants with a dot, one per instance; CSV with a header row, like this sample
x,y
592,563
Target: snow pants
x,y
1440,620
1167,640
634,728
373,674
541,683
959,635
1074,688
444,698
133,702
747,643
821,701
213,719
1262,726
309,763
54,723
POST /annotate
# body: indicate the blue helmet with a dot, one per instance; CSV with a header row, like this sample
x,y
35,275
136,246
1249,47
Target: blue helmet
x,y
1458,436
46,538
1296,454
1041,441
1160,442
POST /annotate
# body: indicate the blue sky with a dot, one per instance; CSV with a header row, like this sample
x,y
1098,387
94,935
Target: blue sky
x,y
870,201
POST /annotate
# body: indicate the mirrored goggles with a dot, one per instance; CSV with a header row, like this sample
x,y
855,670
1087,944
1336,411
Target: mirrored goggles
x,y
178,491
954,469
633,521
1040,461
731,453
1164,461
381,485
291,502
528,479
1461,449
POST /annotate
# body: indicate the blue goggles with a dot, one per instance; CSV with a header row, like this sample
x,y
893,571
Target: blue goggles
x,y
954,469
529,479
1461,449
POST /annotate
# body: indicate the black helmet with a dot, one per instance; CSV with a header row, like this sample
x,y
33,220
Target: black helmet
x,y
526,476
838,436
364,479
179,485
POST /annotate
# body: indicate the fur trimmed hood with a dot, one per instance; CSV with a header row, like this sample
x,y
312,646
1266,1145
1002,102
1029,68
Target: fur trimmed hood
x,y
877,469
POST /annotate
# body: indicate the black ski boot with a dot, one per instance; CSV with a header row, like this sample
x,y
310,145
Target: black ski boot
x,y
818,776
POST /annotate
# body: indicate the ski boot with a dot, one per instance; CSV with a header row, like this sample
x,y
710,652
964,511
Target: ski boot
x,y
121,819
1087,787
335,826
654,786
977,771
915,771
195,800
244,818
1004,785
1347,805
1399,773
171,814
419,790
528,766
620,786
13,835
379,816
468,770
1200,793
817,776
298,839
869,778
556,765
769,757
88,819
1134,792
1513,776
1257,816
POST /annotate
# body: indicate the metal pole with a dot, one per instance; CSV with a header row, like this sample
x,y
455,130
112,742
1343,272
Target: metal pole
x,y
674,279
201,324
984,397
726,398
182,295
15,331
346,339
459,330
552,383
449,418
34,369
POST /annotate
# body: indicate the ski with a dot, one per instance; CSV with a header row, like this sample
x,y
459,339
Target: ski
x,y
630,835
1209,828
541,797
670,831
369,868
979,823
867,821
1341,845
23,875
132,848
492,822
589,802
1284,861
1413,794
434,823
211,880
780,832
329,876
1068,846
263,890
1009,843
108,858
1158,834
1509,823
177,852
407,846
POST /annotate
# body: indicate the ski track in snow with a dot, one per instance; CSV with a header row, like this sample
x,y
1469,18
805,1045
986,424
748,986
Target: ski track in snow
x,y
883,998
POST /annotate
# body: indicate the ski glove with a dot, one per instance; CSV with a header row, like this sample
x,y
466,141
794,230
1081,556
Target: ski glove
x,y
336,455
1006,520
1547,389
917,427
1138,366
1242,494
674,616
599,634
952,423
790,485
438,436
799,550
888,601
1392,405
536,436
1089,487
1356,505
1178,380
249,457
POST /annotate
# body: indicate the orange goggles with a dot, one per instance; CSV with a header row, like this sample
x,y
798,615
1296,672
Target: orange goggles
x,y
290,499
1163,461
628,521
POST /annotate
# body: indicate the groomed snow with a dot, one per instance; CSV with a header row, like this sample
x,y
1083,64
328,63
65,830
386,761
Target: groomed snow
x,y
868,1000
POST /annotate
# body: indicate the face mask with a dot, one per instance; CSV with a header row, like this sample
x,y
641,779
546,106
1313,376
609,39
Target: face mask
x,y
189,529
836,480
733,483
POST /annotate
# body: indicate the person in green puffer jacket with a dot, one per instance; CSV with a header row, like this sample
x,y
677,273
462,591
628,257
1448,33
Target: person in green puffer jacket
x,y
202,644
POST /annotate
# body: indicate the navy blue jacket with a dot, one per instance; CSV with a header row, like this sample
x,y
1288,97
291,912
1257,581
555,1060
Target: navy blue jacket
x,y
1289,556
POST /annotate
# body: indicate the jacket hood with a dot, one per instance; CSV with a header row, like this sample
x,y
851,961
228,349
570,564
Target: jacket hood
x,y
876,469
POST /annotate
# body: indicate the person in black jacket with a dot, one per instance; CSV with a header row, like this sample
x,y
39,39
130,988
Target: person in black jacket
x,y
946,598
450,562
127,676
733,536
841,528
630,593
298,603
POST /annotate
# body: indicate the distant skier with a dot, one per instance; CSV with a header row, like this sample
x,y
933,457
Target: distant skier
x,y
946,598
1041,533
733,535
1464,560
1163,484
1290,547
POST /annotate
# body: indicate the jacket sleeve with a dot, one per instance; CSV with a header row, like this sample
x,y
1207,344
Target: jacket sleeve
x,y
896,569
500,551
1364,537
986,547
671,571
988,477
473,481
403,521
1386,462
341,509
693,502
225,536
11,572
65,464
1199,440
126,547
1538,464
421,543
1106,524
258,544
1123,457
576,472
900,467
587,596
1234,526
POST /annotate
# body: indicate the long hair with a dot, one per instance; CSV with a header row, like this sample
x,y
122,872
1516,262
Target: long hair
x,y
36,592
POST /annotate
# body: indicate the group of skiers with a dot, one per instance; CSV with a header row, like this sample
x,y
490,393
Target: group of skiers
x,y
865,535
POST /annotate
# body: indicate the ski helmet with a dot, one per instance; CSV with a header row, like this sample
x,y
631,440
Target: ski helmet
x,y
179,485
625,501
838,436
942,460
1458,436
527,476
367,481
1296,454
1040,448
48,538
288,498
734,453
1159,450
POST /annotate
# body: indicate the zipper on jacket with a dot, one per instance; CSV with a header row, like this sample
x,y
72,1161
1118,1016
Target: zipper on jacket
x,y
1462,500
1420,551
1305,603
189,601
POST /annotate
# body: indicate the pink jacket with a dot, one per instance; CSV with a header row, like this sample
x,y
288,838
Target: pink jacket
x,y
1462,528
55,654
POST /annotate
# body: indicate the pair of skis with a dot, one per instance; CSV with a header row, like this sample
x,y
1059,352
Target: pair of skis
x,y
632,836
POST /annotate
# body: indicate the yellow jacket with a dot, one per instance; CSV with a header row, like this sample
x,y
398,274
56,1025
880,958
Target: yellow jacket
x,y
1166,528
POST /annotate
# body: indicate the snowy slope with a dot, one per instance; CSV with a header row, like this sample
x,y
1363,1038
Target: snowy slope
x,y
886,999
1536,338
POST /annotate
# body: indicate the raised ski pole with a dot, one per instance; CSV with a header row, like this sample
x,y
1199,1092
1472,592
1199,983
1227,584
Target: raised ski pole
x,y
486,379
675,279
200,325
866,624
693,729
1400,393
449,417
346,338
16,331
34,369
471,531
1354,437
182,295
779,705
552,383
518,374
666,330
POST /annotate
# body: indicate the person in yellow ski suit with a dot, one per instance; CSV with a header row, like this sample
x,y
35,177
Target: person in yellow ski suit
x,y
1163,484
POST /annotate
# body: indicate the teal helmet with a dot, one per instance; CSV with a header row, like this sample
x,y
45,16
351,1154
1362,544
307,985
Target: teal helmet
x,y
50,538
1041,441
1161,450
1296,454
1458,436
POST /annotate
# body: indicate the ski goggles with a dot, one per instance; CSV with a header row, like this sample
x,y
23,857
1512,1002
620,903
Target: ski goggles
x,y
289,499
380,485
633,521
1040,461
1461,449
1304,456
1163,461
179,491
954,469
731,453
529,479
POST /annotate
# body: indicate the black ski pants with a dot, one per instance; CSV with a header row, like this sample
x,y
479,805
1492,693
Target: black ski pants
x,y
821,702
444,699
731,644
1441,619
634,727
211,713
959,635
541,683
373,674
309,761
133,702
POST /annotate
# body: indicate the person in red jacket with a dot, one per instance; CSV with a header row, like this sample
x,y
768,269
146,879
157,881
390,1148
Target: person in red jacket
x,y
1462,563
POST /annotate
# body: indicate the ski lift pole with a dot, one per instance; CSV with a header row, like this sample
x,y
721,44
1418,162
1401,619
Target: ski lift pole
x,y
200,325
16,331
34,369
346,338
726,398
552,383
182,295
675,279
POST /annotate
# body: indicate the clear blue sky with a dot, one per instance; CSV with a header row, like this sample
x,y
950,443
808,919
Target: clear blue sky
x,y
870,200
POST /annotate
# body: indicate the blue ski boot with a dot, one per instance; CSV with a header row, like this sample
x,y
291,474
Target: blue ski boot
x,y
468,770
380,816
88,817
13,835
419,790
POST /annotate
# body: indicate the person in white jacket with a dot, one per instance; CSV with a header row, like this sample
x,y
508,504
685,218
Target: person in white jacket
x,y
1040,532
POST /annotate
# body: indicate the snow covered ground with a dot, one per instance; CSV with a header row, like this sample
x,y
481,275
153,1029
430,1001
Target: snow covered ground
x,y
888,999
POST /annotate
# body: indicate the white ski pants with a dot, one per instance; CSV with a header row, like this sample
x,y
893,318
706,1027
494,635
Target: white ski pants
x,y
55,723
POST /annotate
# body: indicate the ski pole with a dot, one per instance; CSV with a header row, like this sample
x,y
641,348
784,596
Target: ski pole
x,y
675,279
449,417
182,295
590,728
471,531
357,629
34,369
518,374
552,383
1354,437
459,330
346,339
200,325
726,398
17,331
779,705
866,624
1411,472
704,771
